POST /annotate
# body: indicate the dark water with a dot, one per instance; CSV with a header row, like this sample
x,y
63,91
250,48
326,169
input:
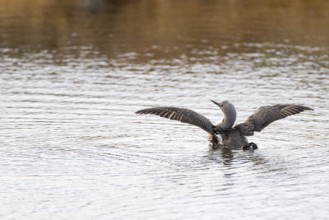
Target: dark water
x,y
72,74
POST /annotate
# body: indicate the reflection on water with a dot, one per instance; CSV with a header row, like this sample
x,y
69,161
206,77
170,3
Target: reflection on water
x,y
72,74
160,29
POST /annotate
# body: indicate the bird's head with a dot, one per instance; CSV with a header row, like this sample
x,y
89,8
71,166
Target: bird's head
x,y
225,106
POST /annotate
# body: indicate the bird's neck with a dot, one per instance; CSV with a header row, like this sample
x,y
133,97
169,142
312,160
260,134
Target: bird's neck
x,y
228,120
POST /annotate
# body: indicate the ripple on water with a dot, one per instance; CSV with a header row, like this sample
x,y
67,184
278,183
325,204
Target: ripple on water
x,y
72,145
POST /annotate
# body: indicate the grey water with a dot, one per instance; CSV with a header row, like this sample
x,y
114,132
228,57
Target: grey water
x,y
72,74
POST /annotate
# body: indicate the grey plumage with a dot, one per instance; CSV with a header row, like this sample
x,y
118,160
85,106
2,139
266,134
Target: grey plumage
x,y
181,114
232,137
265,115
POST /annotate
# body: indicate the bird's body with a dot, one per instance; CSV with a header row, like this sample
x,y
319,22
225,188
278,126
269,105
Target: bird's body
x,y
233,137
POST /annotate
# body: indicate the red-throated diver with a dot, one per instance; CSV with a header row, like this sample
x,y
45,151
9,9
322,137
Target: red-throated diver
x,y
232,137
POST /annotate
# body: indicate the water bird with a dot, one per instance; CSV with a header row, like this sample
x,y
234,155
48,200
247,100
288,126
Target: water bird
x,y
233,137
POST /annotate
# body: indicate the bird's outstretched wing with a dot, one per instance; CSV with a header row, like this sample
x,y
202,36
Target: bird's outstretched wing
x,y
181,114
265,115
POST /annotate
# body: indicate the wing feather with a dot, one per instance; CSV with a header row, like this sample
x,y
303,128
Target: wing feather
x,y
265,115
181,114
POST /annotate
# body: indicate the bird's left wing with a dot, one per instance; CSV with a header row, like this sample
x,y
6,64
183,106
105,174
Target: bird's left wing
x,y
181,114
265,115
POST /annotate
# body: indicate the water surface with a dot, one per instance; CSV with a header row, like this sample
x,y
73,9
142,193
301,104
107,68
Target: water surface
x,y
72,74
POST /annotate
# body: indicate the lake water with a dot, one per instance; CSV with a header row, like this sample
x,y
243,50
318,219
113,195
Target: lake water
x,y
72,74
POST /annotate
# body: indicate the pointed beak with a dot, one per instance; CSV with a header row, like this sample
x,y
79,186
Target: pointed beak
x,y
216,103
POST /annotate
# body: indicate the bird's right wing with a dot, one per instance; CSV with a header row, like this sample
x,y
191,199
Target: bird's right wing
x,y
181,114
265,115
